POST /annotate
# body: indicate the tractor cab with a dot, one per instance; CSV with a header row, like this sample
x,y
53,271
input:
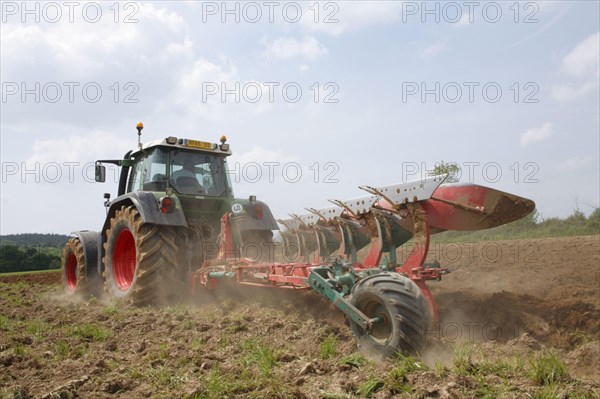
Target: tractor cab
x,y
184,169
189,168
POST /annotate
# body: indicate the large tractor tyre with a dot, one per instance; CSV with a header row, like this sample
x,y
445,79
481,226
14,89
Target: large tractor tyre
x,y
73,271
403,312
141,261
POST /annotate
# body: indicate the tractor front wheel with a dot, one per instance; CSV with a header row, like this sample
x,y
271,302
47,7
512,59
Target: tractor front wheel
x,y
141,260
401,311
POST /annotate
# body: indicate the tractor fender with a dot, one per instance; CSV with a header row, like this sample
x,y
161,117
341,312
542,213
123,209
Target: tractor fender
x,y
146,204
248,221
91,242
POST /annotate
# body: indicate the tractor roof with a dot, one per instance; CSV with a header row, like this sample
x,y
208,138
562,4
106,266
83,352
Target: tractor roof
x,y
187,144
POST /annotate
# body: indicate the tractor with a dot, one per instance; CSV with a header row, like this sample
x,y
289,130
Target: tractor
x,y
176,226
166,219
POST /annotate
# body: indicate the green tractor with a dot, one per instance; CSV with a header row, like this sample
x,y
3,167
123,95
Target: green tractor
x,y
165,223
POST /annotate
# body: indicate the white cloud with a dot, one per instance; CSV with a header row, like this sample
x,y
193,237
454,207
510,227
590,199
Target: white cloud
x,y
349,16
583,60
581,63
213,90
284,48
569,92
431,51
261,155
537,134
575,163
77,50
78,148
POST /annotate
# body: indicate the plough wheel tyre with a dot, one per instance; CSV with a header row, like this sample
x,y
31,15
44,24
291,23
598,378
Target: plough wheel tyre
x,y
141,260
73,270
403,309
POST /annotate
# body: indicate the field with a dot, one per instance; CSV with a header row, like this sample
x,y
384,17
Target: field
x,y
518,319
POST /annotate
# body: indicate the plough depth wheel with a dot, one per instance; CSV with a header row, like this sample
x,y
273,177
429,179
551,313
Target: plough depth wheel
x,y
402,313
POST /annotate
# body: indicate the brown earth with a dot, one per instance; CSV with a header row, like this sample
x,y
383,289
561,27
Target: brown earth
x,y
509,302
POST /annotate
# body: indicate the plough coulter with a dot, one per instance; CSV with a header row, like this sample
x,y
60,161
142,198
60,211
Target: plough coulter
x,y
176,220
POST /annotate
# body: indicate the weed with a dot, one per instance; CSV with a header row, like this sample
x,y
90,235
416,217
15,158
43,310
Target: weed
x,y
440,370
369,387
551,391
404,365
15,393
20,350
579,338
89,331
197,344
111,310
61,348
214,385
463,364
6,324
328,347
547,368
188,324
163,351
64,349
260,355
355,360
164,376
37,327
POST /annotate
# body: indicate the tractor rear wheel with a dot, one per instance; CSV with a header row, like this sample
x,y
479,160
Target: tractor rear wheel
x,y
141,260
73,270
402,311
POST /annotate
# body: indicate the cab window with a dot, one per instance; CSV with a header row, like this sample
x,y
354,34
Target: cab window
x,y
197,173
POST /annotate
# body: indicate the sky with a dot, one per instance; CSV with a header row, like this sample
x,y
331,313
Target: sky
x,y
316,98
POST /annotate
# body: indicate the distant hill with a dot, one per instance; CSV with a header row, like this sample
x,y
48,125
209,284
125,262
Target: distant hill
x,y
34,239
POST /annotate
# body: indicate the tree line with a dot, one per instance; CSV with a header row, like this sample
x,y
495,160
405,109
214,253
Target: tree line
x,y
18,258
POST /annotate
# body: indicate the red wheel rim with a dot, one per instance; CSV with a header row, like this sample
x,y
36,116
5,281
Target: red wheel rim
x,y
124,260
71,272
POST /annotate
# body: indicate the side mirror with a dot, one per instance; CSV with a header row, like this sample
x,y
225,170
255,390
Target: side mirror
x,y
100,173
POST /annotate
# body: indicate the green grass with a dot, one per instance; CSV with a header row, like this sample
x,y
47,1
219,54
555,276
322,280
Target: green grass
x,y
30,272
259,355
89,331
66,350
21,350
548,369
463,364
529,227
440,370
369,387
164,377
219,385
356,360
328,347
38,328
403,365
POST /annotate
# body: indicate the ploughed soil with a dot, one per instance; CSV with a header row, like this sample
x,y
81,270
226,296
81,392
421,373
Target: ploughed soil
x,y
517,319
